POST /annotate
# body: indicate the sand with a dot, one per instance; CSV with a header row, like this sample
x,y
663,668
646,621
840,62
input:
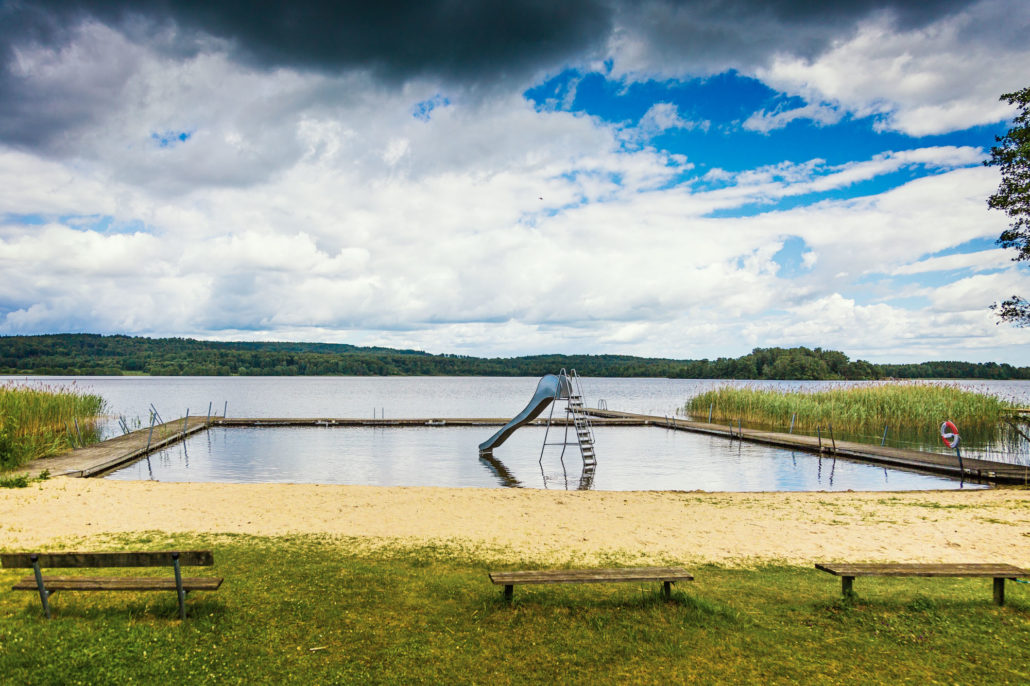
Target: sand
x,y
737,529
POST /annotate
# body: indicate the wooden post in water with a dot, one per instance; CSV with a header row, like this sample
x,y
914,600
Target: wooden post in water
x,y
832,439
819,434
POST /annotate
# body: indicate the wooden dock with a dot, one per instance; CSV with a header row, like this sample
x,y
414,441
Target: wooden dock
x,y
100,458
946,464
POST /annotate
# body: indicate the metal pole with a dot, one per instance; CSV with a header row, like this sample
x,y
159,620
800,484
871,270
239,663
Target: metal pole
x,y
740,431
833,439
225,409
77,432
710,406
819,433
792,418
884,439
150,435
185,420
209,412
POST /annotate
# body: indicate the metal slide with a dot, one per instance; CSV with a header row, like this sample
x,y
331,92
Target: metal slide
x,y
550,388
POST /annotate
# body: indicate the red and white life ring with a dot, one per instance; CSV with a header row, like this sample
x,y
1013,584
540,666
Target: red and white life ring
x,y
949,434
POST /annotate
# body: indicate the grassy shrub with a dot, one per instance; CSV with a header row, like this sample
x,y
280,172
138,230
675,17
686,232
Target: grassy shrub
x,y
855,409
37,422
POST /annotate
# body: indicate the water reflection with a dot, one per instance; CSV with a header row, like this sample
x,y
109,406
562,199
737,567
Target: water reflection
x,y
629,458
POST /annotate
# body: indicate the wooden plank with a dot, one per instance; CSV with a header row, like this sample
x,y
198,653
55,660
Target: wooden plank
x,y
563,576
118,584
925,570
190,558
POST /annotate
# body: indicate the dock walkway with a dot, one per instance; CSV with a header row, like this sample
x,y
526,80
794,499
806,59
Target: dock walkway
x,y
987,471
100,457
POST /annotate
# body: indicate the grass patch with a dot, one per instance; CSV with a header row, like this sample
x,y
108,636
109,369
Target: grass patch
x,y
310,610
21,480
39,422
856,409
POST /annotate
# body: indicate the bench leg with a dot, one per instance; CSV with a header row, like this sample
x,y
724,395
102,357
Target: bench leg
x,y
43,593
999,590
845,586
509,592
667,590
178,586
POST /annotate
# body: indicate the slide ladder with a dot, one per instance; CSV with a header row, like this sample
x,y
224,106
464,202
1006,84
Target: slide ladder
x,y
581,422
578,419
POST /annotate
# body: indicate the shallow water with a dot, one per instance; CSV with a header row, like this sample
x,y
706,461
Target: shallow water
x,y
629,458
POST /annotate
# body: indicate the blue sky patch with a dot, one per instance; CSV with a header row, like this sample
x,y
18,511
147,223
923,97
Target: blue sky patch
x,y
24,219
719,106
423,110
791,258
170,139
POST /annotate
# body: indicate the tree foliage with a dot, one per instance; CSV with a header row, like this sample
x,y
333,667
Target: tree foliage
x,y
92,354
1012,156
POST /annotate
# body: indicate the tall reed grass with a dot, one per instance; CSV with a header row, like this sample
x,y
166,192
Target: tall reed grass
x,y
856,409
38,422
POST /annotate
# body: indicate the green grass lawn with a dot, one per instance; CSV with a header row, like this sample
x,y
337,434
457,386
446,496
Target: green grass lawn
x,y
312,611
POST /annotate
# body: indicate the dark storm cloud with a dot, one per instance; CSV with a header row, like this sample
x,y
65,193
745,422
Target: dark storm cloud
x,y
474,39
717,34
482,44
395,38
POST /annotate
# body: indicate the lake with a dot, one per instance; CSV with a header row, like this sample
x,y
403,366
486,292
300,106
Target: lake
x,y
643,458
628,458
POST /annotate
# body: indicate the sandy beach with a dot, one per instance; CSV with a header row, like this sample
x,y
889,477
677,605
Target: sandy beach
x,y
630,527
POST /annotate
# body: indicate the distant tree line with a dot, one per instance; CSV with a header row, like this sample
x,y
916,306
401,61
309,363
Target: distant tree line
x,y
92,354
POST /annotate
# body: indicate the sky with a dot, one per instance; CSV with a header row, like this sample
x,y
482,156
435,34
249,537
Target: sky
x,y
511,177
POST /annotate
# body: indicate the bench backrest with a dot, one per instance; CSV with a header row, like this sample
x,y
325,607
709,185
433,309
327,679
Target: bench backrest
x,y
192,558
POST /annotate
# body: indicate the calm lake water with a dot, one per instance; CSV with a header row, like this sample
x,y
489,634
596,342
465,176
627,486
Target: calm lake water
x,y
629,458
643,458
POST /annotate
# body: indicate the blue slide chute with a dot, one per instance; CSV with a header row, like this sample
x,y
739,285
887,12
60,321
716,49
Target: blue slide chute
x,y
551,387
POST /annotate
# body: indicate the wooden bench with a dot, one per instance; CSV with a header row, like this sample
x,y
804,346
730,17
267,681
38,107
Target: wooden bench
x,y
667,575
46,586
999,572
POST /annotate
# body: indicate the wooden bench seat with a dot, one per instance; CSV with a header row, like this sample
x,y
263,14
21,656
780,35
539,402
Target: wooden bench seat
x,y
999,572
666,575
46,586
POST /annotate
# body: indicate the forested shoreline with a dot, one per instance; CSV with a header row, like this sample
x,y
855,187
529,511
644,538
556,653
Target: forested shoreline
x,y
93,354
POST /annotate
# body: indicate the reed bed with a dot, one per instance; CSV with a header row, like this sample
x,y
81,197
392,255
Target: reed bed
x,y
38,422
916,406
